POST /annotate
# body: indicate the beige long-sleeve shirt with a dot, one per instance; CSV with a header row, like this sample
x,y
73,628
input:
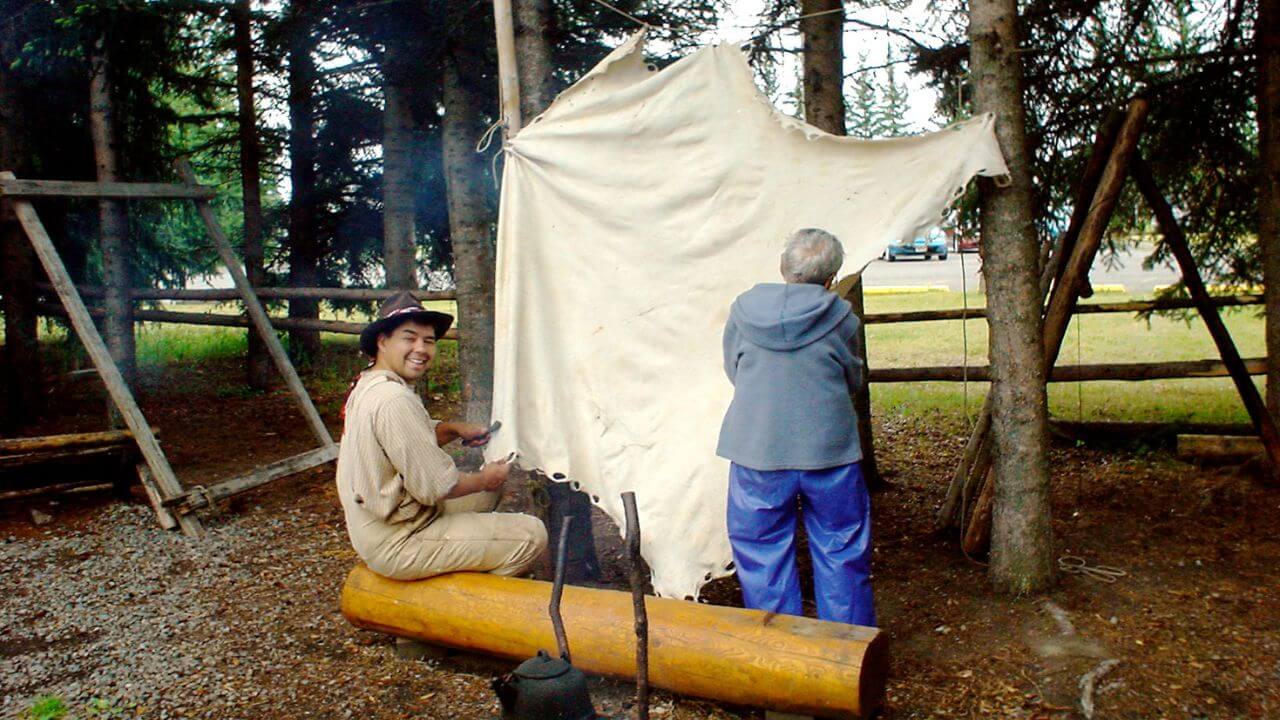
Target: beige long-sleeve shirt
x,y
389,464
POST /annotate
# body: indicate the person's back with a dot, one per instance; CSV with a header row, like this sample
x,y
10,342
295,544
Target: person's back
x,y
790,351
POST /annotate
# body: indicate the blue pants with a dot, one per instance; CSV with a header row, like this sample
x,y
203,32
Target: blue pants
x,y
837,518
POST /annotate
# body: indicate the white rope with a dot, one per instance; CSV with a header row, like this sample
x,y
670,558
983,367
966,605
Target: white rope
x,y
1079,385
964,333
487,138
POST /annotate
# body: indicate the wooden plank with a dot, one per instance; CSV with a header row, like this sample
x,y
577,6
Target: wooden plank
x,y
257,313
1220,448
1137,306
225,320
166,481
65,488
259,476
12,446
155,497
1131,372
10,462
1177,241
1114,430
14,188
265,293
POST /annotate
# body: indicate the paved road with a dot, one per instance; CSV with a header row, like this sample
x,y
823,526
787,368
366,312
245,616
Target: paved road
x,y
1126,270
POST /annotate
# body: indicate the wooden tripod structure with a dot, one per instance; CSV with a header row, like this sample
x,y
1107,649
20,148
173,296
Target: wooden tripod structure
x,y
1114,157
174,505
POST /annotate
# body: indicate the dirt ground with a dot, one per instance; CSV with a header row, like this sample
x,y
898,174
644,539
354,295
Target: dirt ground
x,y
1191,630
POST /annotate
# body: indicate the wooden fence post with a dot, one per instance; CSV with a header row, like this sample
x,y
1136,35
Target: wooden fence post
x,y
1173,235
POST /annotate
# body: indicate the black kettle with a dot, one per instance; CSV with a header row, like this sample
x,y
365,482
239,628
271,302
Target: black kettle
x,y
544,688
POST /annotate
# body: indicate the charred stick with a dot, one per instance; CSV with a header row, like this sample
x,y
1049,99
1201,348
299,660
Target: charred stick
x,y
557,589
637,597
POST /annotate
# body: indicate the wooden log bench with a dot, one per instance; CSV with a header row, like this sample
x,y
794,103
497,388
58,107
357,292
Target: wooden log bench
x,y
72,462
746,657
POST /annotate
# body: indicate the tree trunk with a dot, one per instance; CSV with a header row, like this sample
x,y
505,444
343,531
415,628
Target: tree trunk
x,y
398,185
1268,40
1021,541
22,372
257,361
304,254
824,108
534,21
22,375
113,225
471,219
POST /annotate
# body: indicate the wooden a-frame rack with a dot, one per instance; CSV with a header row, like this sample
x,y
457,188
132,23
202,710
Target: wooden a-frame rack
x,y
1114,157
174,505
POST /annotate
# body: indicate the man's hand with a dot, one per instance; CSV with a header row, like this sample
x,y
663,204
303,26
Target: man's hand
x,y
472,435
494,475
491,477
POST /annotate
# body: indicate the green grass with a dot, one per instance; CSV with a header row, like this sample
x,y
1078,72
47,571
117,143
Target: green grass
x,y
1090,339
48,707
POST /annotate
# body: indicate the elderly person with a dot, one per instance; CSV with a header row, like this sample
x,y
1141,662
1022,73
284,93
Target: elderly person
x,y
791,351
410,513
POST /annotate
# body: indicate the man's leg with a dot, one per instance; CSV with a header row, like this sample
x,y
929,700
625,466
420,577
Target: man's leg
x,y
499,543
762,531
837,517
480,502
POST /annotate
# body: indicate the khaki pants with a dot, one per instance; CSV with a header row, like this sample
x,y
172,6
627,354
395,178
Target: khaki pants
x,y
467,535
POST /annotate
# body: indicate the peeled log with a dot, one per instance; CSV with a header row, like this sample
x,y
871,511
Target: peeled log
x,y
747,657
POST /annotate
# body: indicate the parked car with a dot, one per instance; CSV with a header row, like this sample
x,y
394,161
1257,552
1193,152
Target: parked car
x,y
966,243
926,246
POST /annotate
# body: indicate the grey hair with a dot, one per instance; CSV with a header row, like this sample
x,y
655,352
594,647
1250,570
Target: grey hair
x,y
811,256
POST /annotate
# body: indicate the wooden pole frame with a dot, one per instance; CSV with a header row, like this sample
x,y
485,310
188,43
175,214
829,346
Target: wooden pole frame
x,y
508,78
1062,300
1263,422
1072,277
161,474
173,504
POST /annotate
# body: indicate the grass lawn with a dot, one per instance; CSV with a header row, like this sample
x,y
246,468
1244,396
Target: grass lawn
x,y
1110,338
1090,339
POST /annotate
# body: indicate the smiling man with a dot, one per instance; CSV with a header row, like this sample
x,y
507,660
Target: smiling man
x,y
410,512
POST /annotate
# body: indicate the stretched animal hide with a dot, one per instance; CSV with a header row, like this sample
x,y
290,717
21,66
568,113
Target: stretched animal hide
x,y
633,211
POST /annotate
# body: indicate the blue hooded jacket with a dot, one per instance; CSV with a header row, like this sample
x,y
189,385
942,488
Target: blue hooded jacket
x,y
791,352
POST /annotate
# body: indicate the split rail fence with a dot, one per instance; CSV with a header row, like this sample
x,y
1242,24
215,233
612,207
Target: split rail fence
x,y
1211,367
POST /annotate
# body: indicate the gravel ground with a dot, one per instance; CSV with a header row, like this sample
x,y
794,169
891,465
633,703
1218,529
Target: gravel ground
x,y
103,605
244,623
143,618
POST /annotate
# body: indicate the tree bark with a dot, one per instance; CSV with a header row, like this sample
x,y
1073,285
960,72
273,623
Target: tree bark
x,y
1268,41
534,22
257,360
471,218
304,253
824,108
822,32
398,185
113,224
22,373
1021,543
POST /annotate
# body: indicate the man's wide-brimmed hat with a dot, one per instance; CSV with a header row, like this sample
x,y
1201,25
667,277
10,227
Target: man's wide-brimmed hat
x,y
397,310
